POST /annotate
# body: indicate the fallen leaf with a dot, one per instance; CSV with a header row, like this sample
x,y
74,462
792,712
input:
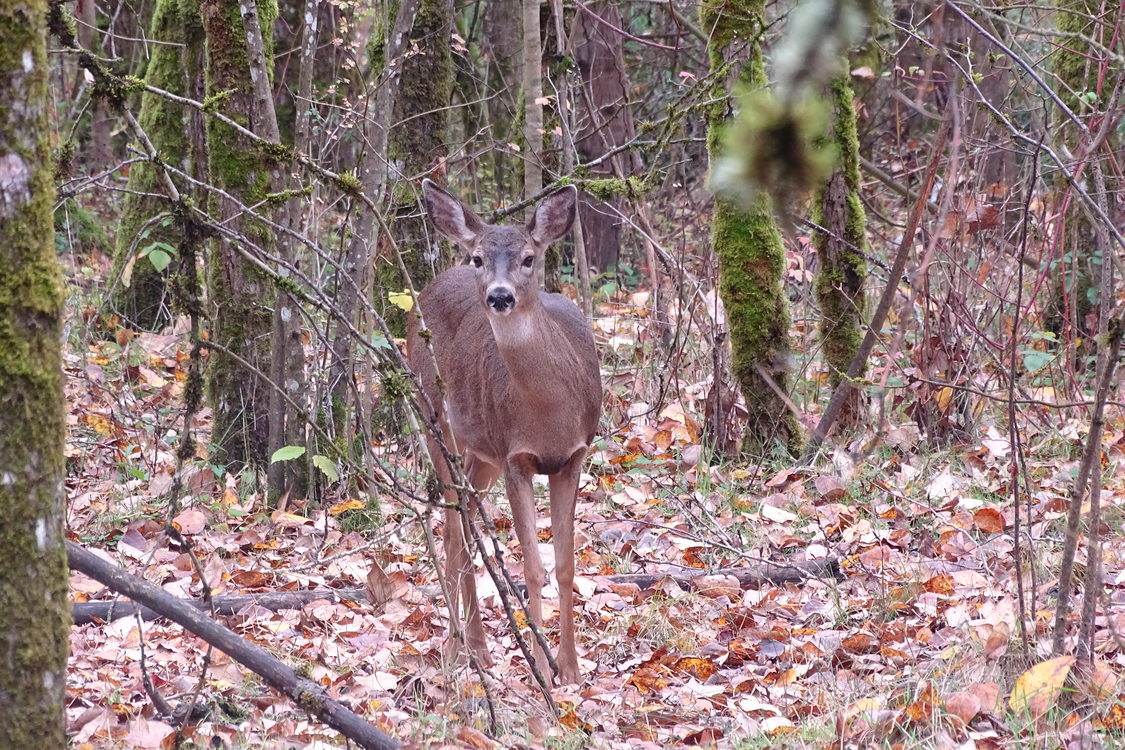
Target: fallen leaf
x,y
1038,689
962,704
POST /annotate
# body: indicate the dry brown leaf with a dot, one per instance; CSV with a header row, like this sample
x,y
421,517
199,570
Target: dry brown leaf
x,y
922,709
717,585
647,680
190,522
700,669
383,588
1113,718
469,737
988,693
1102,683
996,645
963,704
940,584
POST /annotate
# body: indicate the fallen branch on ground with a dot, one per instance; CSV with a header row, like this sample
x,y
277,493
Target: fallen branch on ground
x,y
230,604
305,693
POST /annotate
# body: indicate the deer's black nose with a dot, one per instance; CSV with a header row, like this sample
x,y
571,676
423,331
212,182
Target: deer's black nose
x,y
501,299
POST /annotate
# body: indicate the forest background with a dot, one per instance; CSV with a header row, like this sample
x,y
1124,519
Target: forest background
x,y
860,467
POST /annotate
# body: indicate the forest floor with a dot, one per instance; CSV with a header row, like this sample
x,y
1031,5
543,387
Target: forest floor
x,y
918,646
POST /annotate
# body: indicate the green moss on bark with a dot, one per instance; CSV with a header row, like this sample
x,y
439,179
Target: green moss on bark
x,y
241,295
33,573
425,90
142,300
839,284
748,246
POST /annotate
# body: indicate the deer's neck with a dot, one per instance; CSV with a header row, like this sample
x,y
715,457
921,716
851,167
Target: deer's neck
x,y
531,345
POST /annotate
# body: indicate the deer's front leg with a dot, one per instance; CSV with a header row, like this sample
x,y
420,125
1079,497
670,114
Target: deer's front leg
x,y
522,499
564,495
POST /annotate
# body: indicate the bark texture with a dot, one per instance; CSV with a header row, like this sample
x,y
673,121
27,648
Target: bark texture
x,y
33,573
839,283
140,292
748,245
419,145
241,296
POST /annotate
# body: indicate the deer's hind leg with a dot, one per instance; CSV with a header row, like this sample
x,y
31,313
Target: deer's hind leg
x,y
481,475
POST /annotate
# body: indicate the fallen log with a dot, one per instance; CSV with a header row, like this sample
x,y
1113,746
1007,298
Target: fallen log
x,y
229,604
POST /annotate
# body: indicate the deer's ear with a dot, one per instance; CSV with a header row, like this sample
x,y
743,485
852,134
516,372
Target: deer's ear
x,y
450,216
553,216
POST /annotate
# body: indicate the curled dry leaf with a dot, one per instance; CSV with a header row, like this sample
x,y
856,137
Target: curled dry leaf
x,y
383,588
996,645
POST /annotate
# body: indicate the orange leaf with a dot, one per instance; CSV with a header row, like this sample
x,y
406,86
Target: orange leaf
x,y
1114,717
940,584
349,504
922,710
469,737
647,680
989,520
700,669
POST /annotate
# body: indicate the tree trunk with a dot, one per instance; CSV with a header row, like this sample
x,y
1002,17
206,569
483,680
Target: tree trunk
x,y
139,294
385,50
99,154
241,295
502,46
419,146
287,366
839,283
748,246
532,92
33,573
606,121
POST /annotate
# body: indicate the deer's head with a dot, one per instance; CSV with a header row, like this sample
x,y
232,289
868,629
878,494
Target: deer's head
x,y
504,257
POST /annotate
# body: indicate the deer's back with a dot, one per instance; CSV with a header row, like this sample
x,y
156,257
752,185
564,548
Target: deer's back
x,y
555,405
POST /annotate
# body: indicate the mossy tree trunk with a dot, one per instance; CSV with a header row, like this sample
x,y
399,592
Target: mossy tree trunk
x,y
240,294
839,284
390,39
748,246
139,294
33,572
419,145
501,43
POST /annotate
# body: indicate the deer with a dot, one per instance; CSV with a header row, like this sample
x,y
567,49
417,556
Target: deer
x,y
520,394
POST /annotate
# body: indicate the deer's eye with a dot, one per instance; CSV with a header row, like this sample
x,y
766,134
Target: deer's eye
x,y
529,261
477,261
